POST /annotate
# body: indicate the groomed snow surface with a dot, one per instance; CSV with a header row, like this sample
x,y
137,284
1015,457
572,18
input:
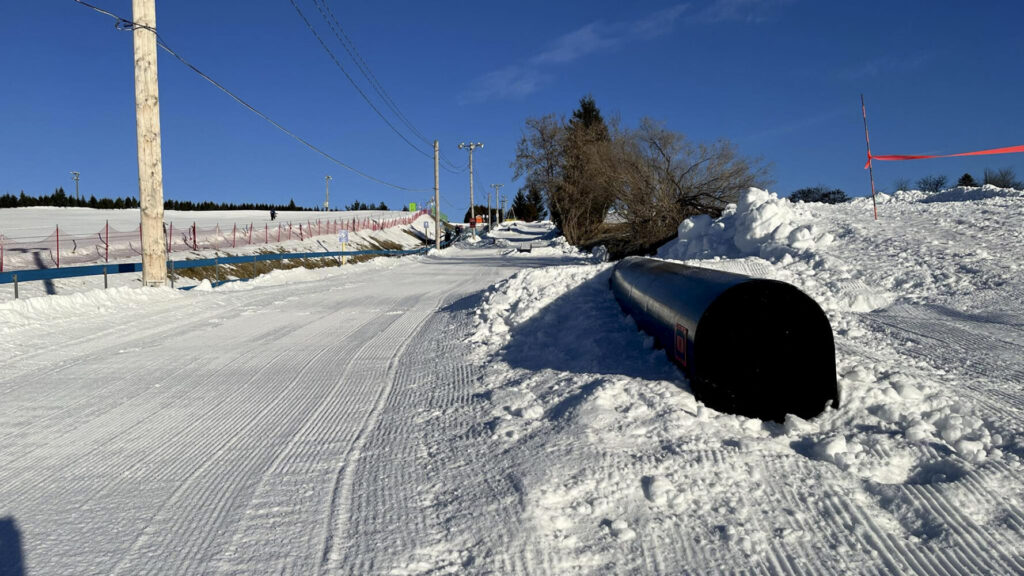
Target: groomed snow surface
x,y
487,409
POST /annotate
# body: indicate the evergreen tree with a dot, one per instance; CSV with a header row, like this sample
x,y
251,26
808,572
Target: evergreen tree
x,y
535,200
480,212
520,207
966,180
819,194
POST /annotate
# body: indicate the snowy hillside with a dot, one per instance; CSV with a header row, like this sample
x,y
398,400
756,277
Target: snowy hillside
x,y
488,409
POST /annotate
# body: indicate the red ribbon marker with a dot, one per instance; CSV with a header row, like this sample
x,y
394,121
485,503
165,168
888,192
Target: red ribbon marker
x,y
1006,150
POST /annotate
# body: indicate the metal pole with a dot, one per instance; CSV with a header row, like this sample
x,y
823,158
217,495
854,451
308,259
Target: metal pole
x,y
437,198
871,171
472,207
327,191
74,176
147,122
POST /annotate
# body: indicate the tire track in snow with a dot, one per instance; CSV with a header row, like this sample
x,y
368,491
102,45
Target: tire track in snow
x,y
27,403
389,348
181,447
311,453
411,484
206,497
104,430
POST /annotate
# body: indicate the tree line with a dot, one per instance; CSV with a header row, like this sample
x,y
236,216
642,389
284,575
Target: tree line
x,y
60,199
650,177
1002,178
357,205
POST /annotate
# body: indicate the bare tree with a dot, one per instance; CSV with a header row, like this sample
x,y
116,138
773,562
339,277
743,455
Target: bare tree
x,y
901,184
653,177
931,183
664,179
1004,178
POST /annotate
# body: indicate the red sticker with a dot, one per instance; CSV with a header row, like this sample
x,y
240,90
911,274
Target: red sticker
x,y
681,337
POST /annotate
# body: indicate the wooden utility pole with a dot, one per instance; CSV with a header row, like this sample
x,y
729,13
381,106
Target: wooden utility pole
x,y
147,127
497,203
472,209
437,198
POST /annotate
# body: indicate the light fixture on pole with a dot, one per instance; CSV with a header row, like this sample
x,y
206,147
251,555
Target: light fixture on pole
x,y
74,176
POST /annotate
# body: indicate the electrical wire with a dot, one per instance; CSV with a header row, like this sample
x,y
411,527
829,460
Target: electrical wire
x,y
346,42
353,82
364,68
125,24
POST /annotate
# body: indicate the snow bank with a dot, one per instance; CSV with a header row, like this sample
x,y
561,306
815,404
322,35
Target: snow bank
x,y
760,224
608,447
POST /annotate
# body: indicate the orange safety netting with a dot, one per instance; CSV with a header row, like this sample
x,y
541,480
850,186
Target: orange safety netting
x,y
60,248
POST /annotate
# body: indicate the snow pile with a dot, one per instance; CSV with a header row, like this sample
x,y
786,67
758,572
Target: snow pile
x,y
759,224
513,302
770,237
957,194
608,448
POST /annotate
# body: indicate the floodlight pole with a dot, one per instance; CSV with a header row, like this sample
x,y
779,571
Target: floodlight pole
x,y
472,208
497,192
147,128
437,198
74,176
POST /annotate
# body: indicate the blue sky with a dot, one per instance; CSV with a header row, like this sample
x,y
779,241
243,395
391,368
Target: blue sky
x,y
781,79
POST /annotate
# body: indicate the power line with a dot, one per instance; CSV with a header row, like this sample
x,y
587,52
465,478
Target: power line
x,y
353,82
364,68
125,24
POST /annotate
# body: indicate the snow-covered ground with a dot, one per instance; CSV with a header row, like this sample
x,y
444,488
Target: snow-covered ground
x,y
485,409
25,224
49,237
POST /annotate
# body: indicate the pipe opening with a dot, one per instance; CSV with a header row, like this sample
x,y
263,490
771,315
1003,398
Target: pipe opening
x,y
763,349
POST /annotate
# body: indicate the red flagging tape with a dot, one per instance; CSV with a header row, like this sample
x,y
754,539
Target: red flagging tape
x,y
1007,150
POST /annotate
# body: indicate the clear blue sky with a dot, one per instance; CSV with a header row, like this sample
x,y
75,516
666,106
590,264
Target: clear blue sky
x,y
781,79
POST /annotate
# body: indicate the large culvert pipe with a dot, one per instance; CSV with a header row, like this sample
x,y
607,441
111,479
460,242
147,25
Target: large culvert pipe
x,y
758,348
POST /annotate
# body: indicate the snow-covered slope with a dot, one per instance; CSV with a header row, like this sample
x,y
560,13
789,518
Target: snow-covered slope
x,y
489,410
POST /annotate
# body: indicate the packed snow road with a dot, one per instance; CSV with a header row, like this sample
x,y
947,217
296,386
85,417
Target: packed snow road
x,y
486,410
256,429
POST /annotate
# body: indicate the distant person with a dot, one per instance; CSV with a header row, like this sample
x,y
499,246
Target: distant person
x,y
273,214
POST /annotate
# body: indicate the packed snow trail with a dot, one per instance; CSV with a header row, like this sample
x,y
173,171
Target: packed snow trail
x,y
221,431
395,417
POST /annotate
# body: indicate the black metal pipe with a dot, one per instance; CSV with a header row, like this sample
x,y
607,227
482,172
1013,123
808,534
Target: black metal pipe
x,y
749,346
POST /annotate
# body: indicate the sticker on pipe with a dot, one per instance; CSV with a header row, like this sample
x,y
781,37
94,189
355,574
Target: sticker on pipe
x,y
681,337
